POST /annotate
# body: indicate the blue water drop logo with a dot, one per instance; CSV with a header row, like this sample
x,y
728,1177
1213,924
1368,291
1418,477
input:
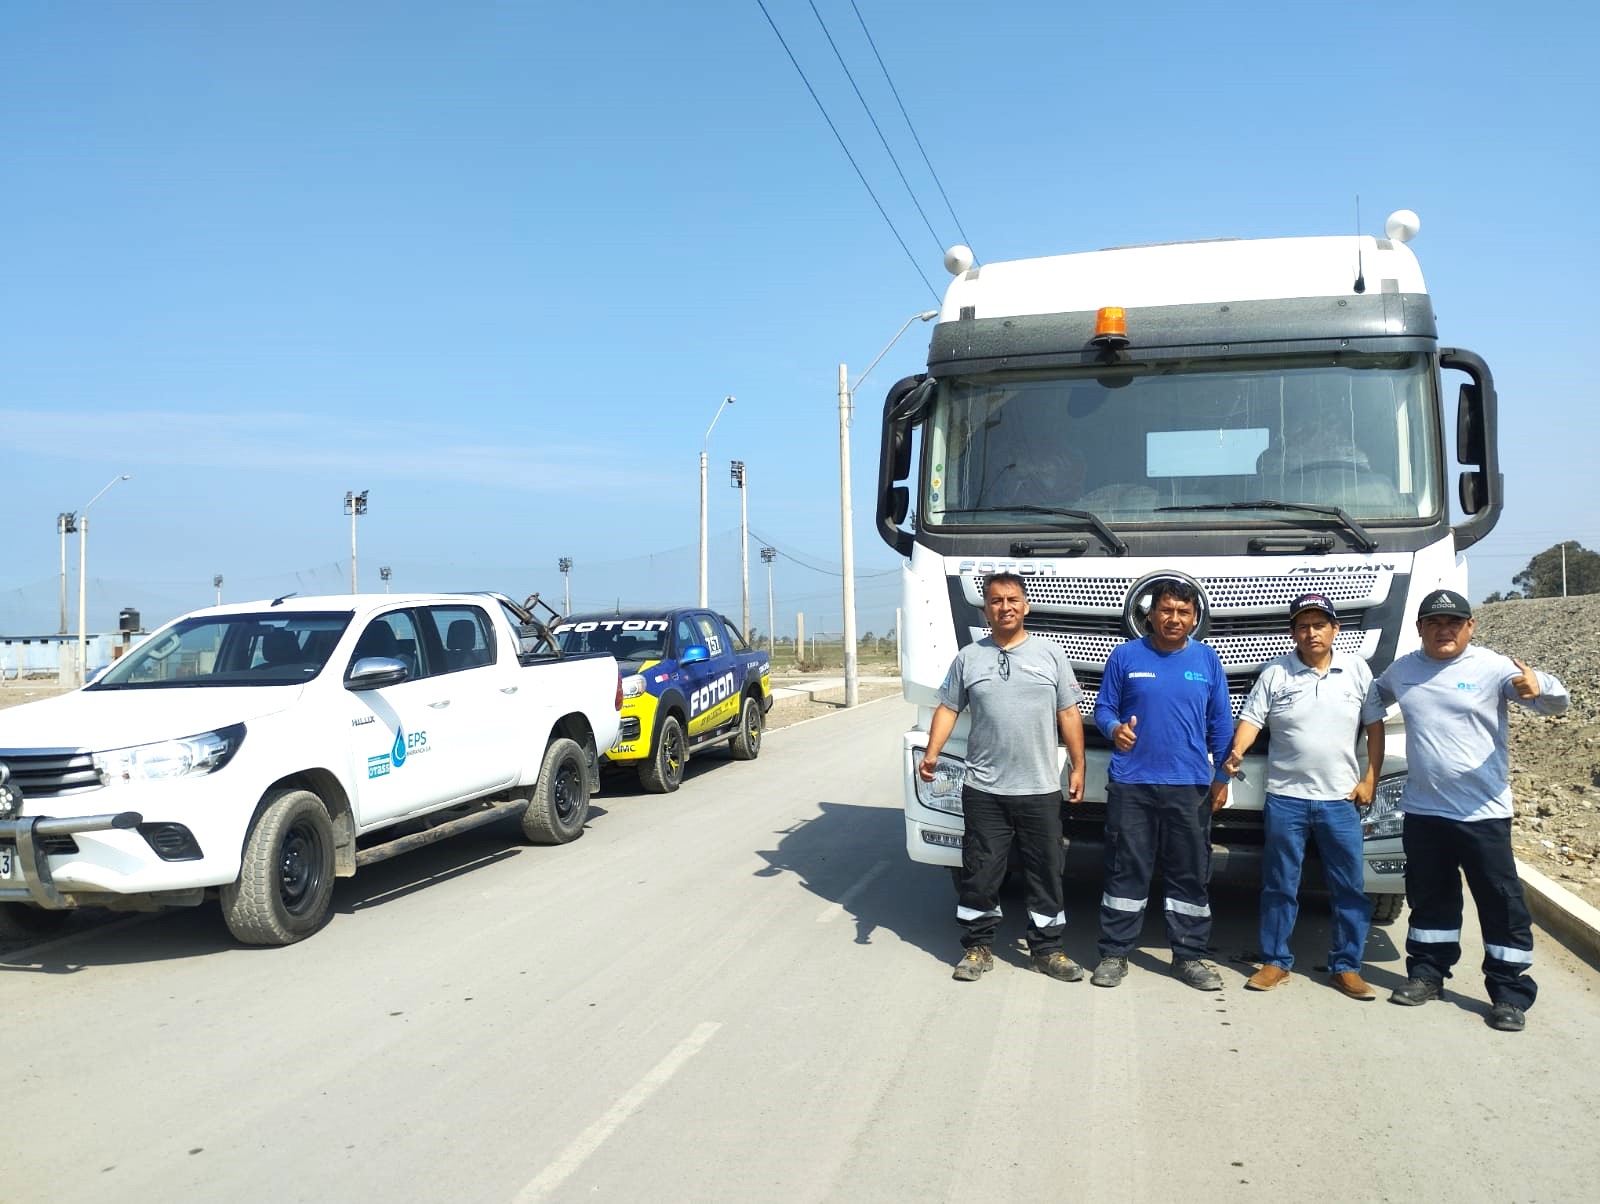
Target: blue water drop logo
x,y
398,752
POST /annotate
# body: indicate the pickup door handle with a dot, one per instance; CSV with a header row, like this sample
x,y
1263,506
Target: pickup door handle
x,y
508,689
439,706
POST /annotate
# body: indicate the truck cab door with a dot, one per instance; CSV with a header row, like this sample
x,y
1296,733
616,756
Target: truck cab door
x,y
710,680
395,729
482,693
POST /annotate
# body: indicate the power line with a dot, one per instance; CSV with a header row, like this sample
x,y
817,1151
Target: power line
x,y
843,66
796,559
821,109
912,128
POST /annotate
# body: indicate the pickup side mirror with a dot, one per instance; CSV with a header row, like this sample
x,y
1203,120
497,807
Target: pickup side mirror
x,y
1481,488
373,672
694,654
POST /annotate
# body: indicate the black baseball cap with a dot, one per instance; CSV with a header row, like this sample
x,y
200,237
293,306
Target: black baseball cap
x,y
1445,602
1312,602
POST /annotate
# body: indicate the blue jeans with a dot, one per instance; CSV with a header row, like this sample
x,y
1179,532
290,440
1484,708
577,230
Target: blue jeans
x,y
1336,826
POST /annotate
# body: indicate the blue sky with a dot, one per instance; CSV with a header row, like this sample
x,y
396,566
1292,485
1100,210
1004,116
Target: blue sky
x,y
498,263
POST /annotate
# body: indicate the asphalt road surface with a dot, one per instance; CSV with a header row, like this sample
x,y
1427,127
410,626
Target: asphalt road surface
x,y
742,992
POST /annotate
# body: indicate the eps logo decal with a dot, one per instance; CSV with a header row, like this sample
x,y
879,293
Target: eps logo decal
x,y
406,745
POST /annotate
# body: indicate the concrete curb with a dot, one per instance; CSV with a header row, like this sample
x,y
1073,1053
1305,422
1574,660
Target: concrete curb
x,y
1562,914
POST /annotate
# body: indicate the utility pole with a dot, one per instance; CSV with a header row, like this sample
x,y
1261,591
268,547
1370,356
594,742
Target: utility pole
x,y
767,557
744,541
66,524
355,505
704,448
565,565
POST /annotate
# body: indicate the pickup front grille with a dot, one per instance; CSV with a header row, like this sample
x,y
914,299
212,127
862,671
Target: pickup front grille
x,y
48,774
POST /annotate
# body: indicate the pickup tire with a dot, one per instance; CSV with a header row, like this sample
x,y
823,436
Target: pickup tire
x,y
663,772
560,804
285,887
25,922
746,746
1386,908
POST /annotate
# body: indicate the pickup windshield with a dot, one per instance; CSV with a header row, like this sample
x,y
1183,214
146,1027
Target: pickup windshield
x,y
1175,442
267,649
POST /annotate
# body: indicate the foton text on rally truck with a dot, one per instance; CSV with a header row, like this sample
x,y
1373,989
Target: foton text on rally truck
x,y
1263,418
260,751
689,680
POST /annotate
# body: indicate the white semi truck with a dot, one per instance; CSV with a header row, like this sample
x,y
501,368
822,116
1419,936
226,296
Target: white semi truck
x,y
1264,418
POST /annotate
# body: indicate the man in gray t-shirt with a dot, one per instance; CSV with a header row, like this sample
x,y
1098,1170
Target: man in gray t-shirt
x,y
1021,697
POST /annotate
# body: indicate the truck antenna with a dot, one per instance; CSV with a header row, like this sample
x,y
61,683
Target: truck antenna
x,y
1361,275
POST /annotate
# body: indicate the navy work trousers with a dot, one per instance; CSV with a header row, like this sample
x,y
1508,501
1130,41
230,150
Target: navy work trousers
x,y
1144,825
993,821
1438,852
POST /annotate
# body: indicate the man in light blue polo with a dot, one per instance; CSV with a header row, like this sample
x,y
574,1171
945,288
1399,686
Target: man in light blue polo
x,y
1314,701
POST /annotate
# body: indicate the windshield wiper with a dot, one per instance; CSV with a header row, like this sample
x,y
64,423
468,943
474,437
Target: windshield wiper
x,y
1107,536
1364,538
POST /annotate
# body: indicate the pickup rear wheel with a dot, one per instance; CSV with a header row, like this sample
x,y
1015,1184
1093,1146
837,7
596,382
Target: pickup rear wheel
x,y
663,772
285,886
560,804
746,746
25,922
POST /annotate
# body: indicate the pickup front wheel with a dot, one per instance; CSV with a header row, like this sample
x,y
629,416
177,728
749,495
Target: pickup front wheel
x,y
663,772
560,804
285,886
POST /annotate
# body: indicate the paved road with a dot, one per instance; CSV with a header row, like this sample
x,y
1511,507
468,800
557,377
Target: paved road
x,y
741,992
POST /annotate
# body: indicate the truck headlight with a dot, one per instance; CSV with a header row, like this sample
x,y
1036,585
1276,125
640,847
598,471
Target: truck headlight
x,y
944,792
1384,818
632,685
190,756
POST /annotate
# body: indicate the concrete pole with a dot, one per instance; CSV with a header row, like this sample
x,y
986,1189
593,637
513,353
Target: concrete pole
x,y
703,523
744,548
799,636
83,598
847,543
353,509
771,645
61,526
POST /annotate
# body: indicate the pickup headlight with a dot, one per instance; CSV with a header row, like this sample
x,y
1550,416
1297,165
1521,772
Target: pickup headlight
x,y
632,685
190,756
944,792
1384,818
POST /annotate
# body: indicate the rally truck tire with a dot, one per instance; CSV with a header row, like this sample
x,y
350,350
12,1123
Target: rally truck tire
x,y
560,804
285,887
1386,908
25,922
746,746
663,772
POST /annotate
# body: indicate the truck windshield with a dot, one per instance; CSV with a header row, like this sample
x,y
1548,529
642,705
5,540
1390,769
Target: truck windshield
x,y
268,649
1131,443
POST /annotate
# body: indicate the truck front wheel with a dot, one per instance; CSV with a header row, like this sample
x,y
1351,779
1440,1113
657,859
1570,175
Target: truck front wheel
x,y
746,746
560,804
1386,908
285,886
663,772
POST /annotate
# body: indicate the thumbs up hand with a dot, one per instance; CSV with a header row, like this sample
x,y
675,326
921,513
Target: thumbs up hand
x,y
1124,736
1526,683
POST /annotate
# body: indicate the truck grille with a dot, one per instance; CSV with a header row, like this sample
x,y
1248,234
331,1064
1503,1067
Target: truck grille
x,y
48,774
1224,593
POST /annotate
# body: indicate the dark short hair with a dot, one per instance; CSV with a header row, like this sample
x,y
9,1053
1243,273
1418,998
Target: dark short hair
x,y
1003,579
1175,588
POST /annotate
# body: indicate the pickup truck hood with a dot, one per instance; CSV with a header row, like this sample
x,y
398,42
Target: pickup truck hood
x,y
95,720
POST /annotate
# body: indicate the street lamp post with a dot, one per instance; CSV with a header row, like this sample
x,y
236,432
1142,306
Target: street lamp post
x,y
705,447
385,572
216,584
744,542
83,571
565,565
66,524
847,540
767,557
355,505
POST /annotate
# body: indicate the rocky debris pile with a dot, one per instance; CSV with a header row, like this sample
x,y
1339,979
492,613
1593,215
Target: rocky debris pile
x,y
1555,763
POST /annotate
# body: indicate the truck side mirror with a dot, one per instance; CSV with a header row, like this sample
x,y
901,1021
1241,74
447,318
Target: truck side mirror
x,y
1481,488
694,654
903,411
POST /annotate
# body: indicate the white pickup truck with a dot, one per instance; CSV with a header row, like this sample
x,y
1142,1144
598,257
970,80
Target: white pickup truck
x,y
259,751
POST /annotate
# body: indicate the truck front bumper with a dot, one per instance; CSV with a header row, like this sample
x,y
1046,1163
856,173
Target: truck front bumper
x,y
25,875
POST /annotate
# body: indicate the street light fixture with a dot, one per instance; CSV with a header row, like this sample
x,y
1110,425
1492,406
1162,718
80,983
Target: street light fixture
x,y
768,555
385,572
744,539
705,447
66,524
216,583
565,565
355,505
83,577
847,540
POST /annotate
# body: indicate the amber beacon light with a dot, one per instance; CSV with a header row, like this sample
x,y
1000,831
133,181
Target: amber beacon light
x,y
1111,326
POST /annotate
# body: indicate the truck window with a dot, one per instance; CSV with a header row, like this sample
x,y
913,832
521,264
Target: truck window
x,y
393,635
268,649
462,637
711,634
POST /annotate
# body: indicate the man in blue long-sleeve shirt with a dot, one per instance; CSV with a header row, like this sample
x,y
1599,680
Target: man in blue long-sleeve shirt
x,y
1164,706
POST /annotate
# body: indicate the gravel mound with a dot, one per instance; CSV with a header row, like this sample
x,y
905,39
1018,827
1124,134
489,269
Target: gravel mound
x,y
1555,763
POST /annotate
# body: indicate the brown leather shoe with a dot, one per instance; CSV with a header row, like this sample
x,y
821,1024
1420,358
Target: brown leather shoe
x,y
1348,982
1266,978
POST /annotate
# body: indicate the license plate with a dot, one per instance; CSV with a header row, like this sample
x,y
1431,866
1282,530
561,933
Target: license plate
x,y
8,862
